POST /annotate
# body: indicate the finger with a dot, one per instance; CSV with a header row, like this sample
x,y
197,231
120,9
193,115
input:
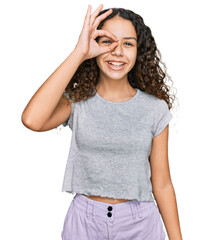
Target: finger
x,y
108,48
87,18
95,13
101,17
104,33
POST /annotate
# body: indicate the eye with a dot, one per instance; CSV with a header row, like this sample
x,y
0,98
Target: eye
x,y
129,44
106,41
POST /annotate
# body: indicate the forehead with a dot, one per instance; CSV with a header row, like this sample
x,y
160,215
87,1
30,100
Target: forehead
x,y
120,27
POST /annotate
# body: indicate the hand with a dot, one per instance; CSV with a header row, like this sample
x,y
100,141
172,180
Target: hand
x,y
87,44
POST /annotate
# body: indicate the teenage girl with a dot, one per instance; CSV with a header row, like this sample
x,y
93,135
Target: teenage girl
x,y
111,92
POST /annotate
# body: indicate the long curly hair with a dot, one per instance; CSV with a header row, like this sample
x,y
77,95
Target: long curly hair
x,y
146,75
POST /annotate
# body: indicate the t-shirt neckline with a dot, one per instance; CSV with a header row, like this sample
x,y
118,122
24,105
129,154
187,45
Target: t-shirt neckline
x,y
124,102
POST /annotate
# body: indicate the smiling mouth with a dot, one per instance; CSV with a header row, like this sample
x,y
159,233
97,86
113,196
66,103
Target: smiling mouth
x,y
116,65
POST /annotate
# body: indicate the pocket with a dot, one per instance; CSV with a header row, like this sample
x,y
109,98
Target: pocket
x,y
99,226
141,227
78,226
93,228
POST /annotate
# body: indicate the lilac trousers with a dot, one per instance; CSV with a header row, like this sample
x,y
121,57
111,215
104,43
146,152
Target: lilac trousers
x,y
87,219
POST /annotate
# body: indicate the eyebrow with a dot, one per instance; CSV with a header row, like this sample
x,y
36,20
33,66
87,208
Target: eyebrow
x,y
123,38
130,38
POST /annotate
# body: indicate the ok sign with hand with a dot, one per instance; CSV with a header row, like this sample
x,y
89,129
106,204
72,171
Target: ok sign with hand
x,y
87,44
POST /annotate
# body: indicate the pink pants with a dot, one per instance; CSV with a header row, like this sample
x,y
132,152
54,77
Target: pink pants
x,y
87,219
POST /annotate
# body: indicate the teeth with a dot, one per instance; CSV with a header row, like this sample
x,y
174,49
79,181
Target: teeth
x,y
116,63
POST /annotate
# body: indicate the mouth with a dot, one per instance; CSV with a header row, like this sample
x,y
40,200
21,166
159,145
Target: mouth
x,y
115,65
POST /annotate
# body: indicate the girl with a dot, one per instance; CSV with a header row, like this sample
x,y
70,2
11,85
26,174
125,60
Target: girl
x,y
111,92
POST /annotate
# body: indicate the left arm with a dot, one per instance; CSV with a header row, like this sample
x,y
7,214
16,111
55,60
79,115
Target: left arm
x,y
162,186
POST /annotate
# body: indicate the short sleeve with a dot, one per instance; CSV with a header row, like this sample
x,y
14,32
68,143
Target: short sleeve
x,y
163,117
69,121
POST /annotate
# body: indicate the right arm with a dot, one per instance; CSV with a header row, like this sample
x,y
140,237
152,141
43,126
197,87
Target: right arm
x,y
48,100
47,108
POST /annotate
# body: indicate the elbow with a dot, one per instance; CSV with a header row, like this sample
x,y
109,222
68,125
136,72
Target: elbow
x,y
28,123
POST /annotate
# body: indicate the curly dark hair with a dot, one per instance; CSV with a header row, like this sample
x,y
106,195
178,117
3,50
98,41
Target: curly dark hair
x,y
146,75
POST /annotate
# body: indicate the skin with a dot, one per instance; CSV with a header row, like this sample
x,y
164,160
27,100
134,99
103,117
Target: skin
x,y
113,85
47,109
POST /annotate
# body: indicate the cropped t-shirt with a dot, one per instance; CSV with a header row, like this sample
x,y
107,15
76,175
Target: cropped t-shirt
x,y
111,144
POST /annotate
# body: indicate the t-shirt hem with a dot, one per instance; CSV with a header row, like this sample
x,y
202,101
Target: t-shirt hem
x,y
144,196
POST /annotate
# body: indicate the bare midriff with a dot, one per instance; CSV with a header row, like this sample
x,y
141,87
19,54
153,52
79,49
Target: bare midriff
x,y
106,199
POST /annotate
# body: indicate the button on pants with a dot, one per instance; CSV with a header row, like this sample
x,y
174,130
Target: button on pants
x,y
87,219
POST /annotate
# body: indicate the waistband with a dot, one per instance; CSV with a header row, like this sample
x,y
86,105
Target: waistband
x,y
110,212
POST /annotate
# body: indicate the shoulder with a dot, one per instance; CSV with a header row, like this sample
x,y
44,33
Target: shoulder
x,y
153,105
151,100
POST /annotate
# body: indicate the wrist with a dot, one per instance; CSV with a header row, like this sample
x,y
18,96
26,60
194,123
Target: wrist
x,y
79,54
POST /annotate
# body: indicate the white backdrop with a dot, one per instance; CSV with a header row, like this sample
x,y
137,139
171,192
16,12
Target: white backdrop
x,y
36,37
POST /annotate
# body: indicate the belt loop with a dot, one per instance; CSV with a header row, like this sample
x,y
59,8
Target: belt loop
x,y
93,211
137,203
90,209
132,205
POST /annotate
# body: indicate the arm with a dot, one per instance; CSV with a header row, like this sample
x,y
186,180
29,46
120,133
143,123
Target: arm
x,y
163,189
45,100
46,108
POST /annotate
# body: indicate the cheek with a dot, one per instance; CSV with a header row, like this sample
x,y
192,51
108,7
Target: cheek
x,y
101,59
133,57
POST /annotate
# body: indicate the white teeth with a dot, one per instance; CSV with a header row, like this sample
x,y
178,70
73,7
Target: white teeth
x,y
116,63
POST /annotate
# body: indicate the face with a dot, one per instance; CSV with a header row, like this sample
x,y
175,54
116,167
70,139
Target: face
x,y
125,52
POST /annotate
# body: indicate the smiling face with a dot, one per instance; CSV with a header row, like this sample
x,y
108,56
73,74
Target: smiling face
x,y
117,63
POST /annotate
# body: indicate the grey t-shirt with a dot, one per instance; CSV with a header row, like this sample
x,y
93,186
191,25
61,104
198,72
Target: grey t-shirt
x,y
111,144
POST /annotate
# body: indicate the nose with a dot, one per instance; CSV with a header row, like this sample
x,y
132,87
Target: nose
x,y
118,50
